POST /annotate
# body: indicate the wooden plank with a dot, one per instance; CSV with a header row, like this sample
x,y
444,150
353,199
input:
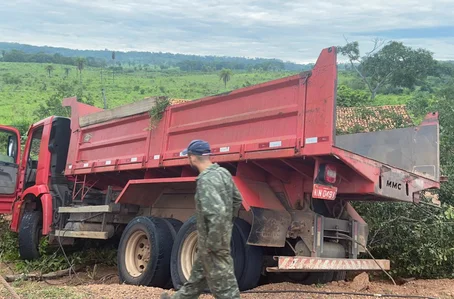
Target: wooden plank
x,y
138,107
86,209
82,234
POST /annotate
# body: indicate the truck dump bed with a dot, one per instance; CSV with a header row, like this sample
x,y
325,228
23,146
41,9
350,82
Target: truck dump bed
x,y
290,120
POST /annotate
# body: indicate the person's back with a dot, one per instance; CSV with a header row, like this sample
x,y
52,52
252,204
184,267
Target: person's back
x,y
215,193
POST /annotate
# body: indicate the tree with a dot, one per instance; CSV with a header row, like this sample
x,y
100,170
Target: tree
x,y
225,75
113,66
80,62
67,70
53,105
49,69
393,64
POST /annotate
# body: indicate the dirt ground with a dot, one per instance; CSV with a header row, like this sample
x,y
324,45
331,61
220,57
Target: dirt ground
x,y
103,283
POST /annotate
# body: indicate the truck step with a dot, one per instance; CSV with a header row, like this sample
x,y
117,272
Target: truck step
x,y
86,209
82,234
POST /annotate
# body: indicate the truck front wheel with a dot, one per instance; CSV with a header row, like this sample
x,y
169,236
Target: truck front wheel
x,y
144,252
30,230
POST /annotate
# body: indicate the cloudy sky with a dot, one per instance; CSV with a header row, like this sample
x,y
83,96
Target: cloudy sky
x,y
288,30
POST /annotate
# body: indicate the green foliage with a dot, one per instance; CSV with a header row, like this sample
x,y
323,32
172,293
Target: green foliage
x,y
20,56
80,63
32,86
419,240
49,69
347,97
225,75
53,106
157,111
8,242
395,64
11,79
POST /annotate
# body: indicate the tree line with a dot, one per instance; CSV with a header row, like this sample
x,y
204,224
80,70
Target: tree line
x,y
20,56
146,58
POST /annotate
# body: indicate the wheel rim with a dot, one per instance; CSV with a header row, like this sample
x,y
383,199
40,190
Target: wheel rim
x,y
188,254
137,255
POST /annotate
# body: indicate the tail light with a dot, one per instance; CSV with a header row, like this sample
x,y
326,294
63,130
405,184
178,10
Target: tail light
x,y
327,174
330,174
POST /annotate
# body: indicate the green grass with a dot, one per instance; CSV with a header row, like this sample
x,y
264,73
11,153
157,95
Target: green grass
x,y
23,86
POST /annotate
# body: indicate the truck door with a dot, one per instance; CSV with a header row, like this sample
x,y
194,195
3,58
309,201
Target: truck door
x,y
9,166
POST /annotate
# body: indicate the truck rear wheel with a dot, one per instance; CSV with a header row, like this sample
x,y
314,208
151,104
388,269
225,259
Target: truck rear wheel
x,y
144,252
30,234
174,225
253,258
184,253
340,275
309,278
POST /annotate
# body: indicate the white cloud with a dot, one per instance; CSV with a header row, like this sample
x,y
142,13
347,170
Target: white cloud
x,y
289,30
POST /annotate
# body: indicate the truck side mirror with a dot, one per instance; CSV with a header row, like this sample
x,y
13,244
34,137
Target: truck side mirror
x,y
12,146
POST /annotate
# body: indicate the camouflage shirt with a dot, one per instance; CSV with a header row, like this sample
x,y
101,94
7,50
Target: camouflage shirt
x,y
217,202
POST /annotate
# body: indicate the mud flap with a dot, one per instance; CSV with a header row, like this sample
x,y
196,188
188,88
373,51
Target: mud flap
x,y
269,227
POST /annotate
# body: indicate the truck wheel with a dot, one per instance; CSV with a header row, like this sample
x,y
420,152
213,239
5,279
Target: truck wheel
x,y
253,258
174,226
185,249
30,230
144,252
340,275
309,278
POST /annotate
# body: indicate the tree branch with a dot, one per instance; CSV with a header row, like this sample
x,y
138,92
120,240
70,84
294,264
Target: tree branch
x,y
378,43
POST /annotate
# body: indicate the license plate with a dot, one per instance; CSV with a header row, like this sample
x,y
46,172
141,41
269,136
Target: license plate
x,y
324,192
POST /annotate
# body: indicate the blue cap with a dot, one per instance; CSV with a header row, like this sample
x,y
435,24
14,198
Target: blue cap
x,y
198,148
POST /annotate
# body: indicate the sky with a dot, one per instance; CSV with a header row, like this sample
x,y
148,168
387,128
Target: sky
x,y
289,30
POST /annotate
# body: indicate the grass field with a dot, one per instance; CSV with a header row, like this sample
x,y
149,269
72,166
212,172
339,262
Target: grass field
x,y
23,86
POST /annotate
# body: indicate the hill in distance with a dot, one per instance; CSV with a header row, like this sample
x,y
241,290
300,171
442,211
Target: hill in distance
x,y
156,58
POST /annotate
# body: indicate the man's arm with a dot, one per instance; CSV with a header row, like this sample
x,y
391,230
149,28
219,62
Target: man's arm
x,y
212,207
237,200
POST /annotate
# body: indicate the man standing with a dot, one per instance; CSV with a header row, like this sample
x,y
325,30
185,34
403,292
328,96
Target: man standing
x,y
217,203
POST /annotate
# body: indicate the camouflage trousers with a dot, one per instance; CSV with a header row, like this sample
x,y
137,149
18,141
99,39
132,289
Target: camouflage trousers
x,y
213,271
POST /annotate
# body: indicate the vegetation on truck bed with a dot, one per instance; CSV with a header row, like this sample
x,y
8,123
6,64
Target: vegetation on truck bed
x,y
419,240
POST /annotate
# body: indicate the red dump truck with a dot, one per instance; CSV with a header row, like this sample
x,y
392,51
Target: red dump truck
x,y
119,172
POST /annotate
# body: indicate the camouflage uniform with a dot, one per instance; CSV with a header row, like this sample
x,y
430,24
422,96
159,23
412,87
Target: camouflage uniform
x,y
217,203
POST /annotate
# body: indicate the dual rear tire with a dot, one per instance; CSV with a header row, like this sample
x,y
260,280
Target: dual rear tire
x,y
160,253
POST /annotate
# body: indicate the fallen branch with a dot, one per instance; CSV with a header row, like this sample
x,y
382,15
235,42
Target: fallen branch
x,y
39,277
9,288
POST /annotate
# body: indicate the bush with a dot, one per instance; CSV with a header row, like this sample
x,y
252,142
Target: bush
x,y
11,79
419,240
347,97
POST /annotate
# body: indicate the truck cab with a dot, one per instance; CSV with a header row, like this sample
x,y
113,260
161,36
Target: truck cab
x,y
34,186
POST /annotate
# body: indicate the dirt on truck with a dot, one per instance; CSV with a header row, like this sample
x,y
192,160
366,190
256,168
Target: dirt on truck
x,y
101,174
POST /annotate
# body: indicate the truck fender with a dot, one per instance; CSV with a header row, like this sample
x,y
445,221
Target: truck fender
x,y
46,203
41,193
